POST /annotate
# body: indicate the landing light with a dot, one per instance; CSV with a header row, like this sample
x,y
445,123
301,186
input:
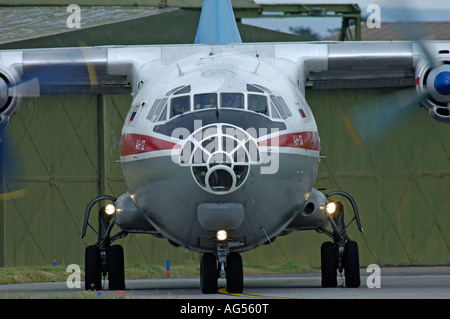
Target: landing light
x,y
331,208
222,235
110,209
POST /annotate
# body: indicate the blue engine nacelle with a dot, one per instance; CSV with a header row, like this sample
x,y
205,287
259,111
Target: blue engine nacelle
x,y
437,83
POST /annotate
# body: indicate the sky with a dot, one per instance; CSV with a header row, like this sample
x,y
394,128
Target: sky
x,y
391,10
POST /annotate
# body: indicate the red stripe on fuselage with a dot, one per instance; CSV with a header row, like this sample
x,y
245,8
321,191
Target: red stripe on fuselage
x,y
131,144
306,140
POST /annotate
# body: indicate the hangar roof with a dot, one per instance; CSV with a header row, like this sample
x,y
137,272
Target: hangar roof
x,y
45,26
404,31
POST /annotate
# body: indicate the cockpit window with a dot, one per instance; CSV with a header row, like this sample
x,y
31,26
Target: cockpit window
x,y
205,101
156,114
173,90
163,115
261,101
278,106
153,109
184,90
284,106
262,88
180,105
232,100
252,88
257,103
274,112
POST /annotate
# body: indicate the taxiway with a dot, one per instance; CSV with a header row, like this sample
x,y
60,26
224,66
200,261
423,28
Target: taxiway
x,y
394,283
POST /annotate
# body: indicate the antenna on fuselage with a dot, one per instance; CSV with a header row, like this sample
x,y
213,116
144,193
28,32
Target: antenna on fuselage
x,y
180,73
257,67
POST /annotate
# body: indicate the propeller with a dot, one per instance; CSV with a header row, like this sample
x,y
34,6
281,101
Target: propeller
x,y
371,121
11,165
69,73
37,79
29,88
368,123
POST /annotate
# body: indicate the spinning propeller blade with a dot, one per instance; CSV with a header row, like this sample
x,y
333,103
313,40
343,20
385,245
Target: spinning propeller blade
x,y
370,122
29,88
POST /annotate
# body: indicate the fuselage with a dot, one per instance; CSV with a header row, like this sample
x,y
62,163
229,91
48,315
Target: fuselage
x,y
219,141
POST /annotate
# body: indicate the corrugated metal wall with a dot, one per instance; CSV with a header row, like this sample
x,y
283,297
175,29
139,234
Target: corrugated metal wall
x,y
60,140
401,184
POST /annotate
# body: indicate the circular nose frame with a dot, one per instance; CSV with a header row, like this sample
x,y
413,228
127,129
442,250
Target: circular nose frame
x,y
220,157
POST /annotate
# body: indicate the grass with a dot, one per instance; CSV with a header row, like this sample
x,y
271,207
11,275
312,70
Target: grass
x,y
32,274
288,267
15,275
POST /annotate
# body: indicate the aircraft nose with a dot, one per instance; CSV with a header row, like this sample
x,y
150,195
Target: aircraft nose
x,y
220,156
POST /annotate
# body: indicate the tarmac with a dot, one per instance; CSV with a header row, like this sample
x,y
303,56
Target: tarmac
x,y
381,283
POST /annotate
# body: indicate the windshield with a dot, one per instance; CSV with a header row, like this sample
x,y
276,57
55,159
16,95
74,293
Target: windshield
x,y
205,101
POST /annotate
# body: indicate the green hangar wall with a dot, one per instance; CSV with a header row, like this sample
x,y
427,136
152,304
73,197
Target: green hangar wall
x,y
401,185
69,145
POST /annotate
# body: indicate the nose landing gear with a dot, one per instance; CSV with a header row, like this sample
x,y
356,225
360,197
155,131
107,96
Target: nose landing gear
x,y
342,254
224,264
102,258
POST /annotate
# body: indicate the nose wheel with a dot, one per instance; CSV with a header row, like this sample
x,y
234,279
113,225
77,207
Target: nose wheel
x,y
226,265
342,254
103,259
235,273
208,273
346,261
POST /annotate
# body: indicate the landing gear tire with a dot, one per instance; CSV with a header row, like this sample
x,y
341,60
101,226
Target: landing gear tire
x,y
329,265
93,275
208,273
116,269
351,265
235,273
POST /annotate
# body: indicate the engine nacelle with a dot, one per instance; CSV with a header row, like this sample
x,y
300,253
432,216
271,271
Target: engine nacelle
x,y
129,217
440,114
312,216
436,84
9,102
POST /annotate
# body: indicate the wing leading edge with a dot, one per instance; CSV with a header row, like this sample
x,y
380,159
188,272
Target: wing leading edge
x,y
334,65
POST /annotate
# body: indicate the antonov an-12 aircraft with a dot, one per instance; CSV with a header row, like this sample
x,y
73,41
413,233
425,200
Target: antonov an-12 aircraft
x,y
220,150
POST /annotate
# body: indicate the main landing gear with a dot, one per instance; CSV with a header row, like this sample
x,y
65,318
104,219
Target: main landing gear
x,y
103,259
225,264
341,254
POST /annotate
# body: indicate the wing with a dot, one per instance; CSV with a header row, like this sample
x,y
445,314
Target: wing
x,y
422,67
419,70
82,70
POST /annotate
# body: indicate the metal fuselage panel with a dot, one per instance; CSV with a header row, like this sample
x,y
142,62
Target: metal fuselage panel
x,y
169,196
263,161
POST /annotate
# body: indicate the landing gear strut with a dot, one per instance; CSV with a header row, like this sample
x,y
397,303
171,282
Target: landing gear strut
x,y
224,264
103,259
341,254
